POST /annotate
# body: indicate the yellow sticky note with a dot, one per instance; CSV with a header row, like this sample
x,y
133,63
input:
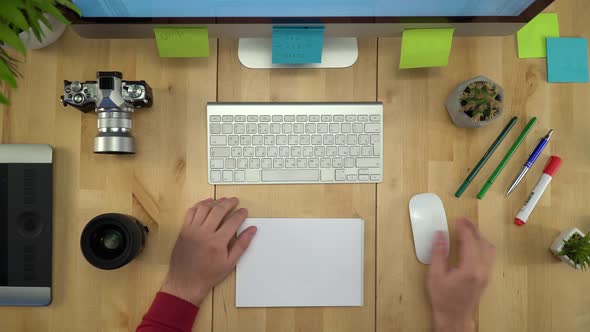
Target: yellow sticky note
x,y
426,48
182,42
532,38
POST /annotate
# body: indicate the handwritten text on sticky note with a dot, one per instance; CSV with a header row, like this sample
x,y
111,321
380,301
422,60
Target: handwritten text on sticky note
x,y
297,45
182,42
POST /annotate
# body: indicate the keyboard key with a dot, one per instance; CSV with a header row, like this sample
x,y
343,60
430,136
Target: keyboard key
x,y
245,140
326,118
322,128
340,139
331,151
334,128
277,118
239,128
220,152
377,149
287,128
215,128
310,128
260,151
325,162
257,140
346,128
254,163
302,118
248,151
364,177
340,175
338,118
296,151
216,163
351,118
272,151
363,139
240,176
375,139
363,117
215,176
304,139
252,175
302,163
281,140
275,128
375,177
313,162
363,172
284,151
316,139
227,128
216,140
230,163
327,174
290,163
227,118
228,176
358,128
349,162
337,162
233,140
307,151
375,118
242,163
278,163
263,128
355,151
293,139
298,128
314,118
215,118
368,162
264,118
366,151
252,118
266,163
240,118
293,175
351,139
343,151
372,128
269,140
251,128
328,139
289,118
236,152
319,151
351,177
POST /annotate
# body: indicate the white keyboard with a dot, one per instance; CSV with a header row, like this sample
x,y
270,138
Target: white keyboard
x,y
290,143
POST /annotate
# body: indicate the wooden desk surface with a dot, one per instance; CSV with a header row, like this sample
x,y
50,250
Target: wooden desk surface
x,y
424,152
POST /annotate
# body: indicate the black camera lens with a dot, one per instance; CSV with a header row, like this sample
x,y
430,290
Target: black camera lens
x,y
112,240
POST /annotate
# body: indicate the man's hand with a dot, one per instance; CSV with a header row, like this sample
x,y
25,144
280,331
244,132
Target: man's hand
x,y
202,257
455,292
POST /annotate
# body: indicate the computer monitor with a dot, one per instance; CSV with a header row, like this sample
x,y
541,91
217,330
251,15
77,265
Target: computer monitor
x,y
341,18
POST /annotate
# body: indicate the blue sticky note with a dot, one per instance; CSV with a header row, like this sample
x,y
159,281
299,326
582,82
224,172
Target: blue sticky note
x,y
567,60
297,45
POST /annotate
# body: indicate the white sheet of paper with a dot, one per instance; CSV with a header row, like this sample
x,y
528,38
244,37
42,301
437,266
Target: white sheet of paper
x,y
302,263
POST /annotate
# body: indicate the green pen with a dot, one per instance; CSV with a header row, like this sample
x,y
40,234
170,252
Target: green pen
x,y
506,159
485,157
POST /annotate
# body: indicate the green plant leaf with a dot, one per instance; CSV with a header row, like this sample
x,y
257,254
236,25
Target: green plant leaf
x,y
7,75
13,15
33,14
49,8
11,39
3,99
70,5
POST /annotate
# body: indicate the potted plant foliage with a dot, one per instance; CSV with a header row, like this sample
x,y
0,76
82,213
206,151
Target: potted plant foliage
x,y
573,248
476,103
27,24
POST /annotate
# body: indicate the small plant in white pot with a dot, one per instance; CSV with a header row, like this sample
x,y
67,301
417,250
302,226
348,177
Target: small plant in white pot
x,y
475,103
573,248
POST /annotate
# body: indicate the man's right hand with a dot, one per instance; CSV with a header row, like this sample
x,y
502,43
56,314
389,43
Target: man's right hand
x,y
455,292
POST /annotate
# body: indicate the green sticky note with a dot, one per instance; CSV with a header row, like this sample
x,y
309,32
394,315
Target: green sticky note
x,y
426,48
182,42
532,38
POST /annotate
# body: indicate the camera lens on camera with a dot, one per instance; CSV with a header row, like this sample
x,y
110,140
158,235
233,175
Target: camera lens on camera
x,y
112,240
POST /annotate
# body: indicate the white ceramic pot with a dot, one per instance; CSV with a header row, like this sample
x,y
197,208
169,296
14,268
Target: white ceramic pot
x,y
558,245
453,104
50,36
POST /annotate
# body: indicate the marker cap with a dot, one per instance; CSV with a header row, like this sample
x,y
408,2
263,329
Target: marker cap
x,y
552,165
519,222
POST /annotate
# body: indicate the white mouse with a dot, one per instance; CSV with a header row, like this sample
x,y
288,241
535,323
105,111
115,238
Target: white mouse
x,y
427,215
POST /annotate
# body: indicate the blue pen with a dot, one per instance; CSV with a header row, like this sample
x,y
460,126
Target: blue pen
x,y
529,163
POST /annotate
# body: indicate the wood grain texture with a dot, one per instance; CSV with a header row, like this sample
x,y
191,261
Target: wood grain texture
x,y
530,290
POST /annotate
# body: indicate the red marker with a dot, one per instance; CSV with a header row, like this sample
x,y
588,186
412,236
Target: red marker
x,y
531,202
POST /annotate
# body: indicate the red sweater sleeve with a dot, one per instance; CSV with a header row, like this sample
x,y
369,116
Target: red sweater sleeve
x,y
169,313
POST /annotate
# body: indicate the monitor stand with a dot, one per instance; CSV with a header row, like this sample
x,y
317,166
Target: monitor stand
x,y
256,53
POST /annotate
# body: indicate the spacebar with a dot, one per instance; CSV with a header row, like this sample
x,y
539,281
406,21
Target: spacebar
x,y
290,175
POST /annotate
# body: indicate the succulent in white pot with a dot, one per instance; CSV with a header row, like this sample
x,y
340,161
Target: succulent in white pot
x,y
573,248
475,103
28,24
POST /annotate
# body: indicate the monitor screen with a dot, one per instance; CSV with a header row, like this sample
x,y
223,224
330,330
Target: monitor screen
x,y
300,8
